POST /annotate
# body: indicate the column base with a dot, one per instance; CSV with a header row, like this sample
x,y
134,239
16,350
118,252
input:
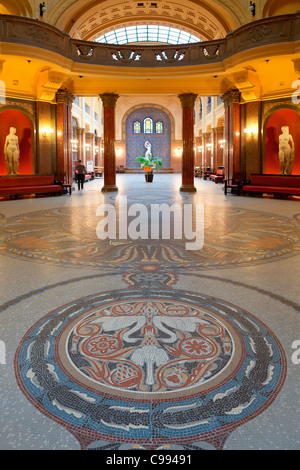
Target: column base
x,y
109,188
188,188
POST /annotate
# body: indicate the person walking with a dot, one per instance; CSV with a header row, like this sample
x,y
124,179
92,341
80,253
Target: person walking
x,y
80,168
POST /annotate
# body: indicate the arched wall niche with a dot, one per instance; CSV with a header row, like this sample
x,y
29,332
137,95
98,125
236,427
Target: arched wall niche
x,y
16,7
160,142
279,7
22,121
148,105
277,117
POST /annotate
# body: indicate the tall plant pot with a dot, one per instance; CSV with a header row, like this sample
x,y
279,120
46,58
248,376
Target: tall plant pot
x,y
149,176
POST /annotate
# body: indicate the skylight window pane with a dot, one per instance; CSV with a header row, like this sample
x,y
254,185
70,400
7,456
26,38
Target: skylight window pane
x,y
144,33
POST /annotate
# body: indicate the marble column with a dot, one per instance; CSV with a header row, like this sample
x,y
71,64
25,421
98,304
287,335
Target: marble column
x,y
218,147
97,150
64,102
89,142
198,152
232,133
207,150
81,143
109,101
188,156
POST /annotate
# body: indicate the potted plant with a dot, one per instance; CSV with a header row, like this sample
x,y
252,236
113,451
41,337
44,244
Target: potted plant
x,y
148,163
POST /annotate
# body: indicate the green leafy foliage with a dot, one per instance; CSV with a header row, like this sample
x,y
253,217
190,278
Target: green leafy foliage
x,y
152,161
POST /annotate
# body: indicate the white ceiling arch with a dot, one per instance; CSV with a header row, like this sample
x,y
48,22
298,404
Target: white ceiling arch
x,y
88,19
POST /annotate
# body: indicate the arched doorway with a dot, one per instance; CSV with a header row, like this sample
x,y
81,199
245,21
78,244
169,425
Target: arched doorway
x,y
273,128
148,124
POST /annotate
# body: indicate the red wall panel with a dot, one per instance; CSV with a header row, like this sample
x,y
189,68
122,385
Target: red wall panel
x,y
283,117
14,118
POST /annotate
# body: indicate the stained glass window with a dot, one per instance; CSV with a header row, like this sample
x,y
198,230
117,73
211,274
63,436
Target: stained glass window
x,y
136,127
159,127
148,126
208,105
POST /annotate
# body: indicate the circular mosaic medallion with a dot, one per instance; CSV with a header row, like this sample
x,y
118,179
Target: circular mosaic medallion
x,y
150,366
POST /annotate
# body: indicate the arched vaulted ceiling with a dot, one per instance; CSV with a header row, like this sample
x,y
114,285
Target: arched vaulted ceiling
x,y
16,7
87,19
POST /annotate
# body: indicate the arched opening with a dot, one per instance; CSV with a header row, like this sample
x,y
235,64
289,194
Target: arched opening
x,y
155,127
16,7
88,20
13,118
273,129
278,7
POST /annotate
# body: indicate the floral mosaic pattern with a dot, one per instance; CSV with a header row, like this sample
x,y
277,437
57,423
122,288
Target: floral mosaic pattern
x,y
237,237
146,368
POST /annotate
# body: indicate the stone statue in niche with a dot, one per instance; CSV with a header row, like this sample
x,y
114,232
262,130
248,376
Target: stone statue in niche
x,y
286,151
12,152
148,149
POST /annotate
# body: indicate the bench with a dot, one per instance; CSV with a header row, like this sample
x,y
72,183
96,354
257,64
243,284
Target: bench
x,y
19,185
87,177
235,184
218,176
274,184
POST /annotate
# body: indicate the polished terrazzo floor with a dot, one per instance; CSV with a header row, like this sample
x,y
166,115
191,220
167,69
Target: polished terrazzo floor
x,y
123,344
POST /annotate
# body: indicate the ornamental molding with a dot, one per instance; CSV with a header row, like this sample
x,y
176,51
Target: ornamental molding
x,y
231,97
64,97
268,31
187,100
109,100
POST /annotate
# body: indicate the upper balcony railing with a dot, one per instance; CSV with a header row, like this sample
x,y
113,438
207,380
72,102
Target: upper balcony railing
x,y
273,30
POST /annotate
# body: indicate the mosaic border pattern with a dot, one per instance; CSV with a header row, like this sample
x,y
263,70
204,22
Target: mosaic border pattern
x,y
192,421
61,236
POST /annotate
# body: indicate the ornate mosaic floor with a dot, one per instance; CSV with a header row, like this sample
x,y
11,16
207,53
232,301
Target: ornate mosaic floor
x,y
143,345
157,367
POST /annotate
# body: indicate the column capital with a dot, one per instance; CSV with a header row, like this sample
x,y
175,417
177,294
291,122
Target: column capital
x,y
81,130
206,135
218,130
89,135
109,100
64,97
187,99
231,97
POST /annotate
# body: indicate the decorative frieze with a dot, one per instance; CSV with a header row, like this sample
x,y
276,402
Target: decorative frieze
x,y
264,32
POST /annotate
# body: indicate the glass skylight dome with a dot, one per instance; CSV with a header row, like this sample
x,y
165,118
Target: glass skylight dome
x,y
147,33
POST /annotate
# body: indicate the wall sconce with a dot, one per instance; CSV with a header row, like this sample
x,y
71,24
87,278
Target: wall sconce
x,y
200,148
252,8
251,131
222,142
46,131
74,145
119,151
178,151
43,8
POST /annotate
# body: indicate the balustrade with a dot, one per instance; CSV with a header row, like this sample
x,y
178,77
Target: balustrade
x,y
273,30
